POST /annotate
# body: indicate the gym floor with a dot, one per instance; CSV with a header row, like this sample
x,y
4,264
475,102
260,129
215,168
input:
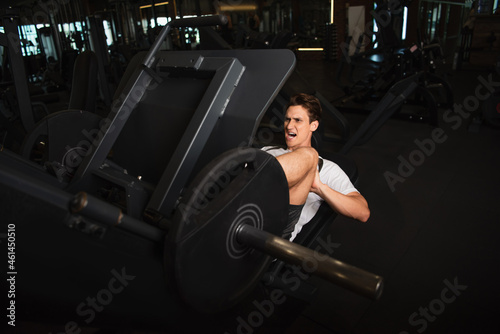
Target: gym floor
x,y
434,225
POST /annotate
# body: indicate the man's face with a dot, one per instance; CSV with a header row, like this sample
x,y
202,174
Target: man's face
x,y
298,130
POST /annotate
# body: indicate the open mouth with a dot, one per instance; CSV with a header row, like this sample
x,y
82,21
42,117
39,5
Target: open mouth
x,y
291,135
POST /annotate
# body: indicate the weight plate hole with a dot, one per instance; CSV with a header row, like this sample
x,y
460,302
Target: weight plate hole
x,y
248,214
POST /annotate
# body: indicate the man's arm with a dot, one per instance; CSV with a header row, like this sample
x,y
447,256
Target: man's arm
x,y
352,205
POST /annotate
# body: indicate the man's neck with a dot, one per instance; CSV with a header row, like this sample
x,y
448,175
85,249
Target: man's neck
x,y
294,148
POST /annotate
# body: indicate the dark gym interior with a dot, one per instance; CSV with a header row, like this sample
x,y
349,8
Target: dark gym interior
x,y
130,136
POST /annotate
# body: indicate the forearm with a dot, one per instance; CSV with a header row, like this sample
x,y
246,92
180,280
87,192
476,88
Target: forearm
x,y
352,205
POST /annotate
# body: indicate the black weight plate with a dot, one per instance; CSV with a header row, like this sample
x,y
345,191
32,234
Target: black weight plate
x,y
68,133
212,271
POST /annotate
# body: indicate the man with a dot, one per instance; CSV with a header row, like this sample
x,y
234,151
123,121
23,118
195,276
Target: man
x,y
311,183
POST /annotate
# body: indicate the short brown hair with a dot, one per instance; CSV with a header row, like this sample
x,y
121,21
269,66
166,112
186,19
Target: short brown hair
x,y
308,102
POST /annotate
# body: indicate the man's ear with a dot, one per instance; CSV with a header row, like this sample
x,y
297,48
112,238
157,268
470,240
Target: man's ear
x,y
314,125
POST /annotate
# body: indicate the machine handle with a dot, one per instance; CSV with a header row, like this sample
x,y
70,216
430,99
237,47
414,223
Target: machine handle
x,y
189,22
335,271
93,208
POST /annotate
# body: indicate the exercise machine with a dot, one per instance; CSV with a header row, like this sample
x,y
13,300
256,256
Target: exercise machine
x,y
382,69
166,213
